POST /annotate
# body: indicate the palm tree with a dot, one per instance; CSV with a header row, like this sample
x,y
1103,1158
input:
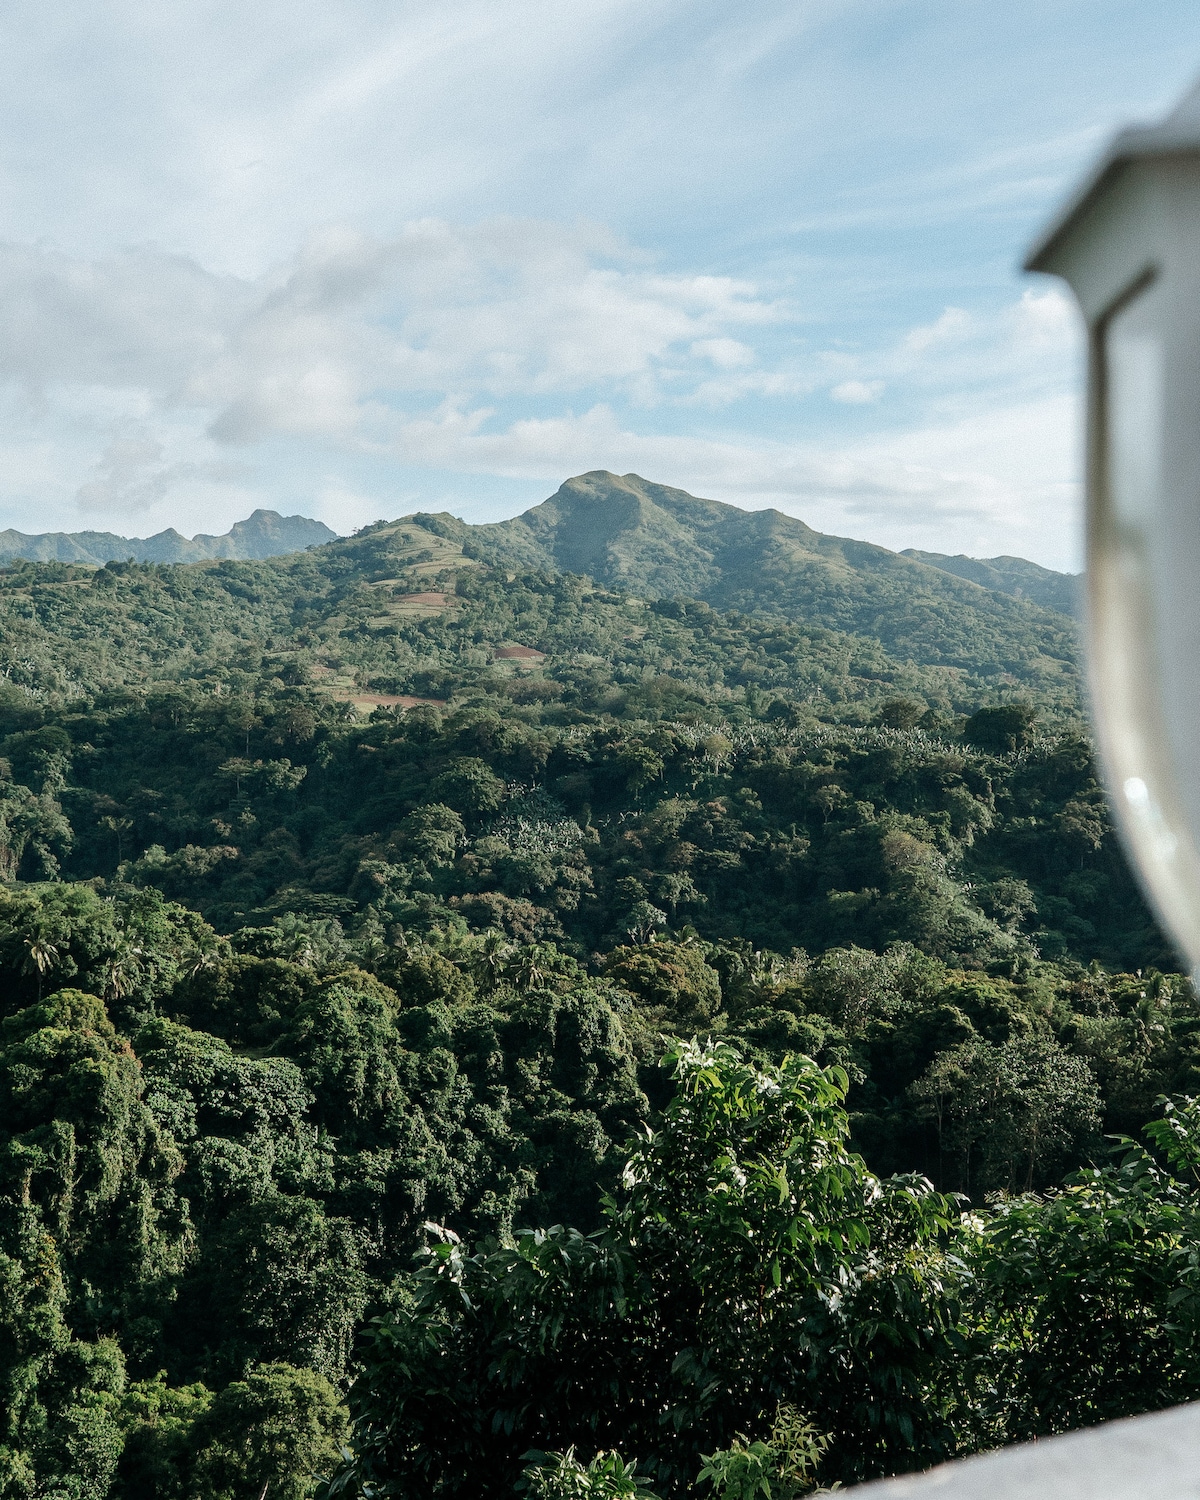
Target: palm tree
x,y
202,961
120,827
121,974
490,959
42,956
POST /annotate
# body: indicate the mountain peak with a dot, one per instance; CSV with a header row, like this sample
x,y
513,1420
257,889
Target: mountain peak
x,y
656,541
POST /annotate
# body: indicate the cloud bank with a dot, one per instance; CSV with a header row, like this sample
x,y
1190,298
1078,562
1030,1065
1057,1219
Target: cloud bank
x,y
395,254
520,349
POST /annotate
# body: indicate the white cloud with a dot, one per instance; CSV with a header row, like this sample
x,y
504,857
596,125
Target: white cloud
x,y
331,344
140,319
857,392
422,351
954,325
1031,339
131,477
501,309
726,354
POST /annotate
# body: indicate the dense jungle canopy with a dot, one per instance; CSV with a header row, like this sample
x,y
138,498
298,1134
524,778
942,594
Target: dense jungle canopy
x,y
472,1023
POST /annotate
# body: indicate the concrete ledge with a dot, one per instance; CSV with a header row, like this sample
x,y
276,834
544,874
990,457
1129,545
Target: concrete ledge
x,y
1156,1457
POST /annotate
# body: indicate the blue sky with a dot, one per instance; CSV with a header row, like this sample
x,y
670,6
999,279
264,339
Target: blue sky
x,y
353,260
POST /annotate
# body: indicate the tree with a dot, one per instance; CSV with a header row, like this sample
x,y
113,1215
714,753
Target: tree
x,y
470,787
273,1433
1010,1113
433,833
81,1164
118,827
42,957
283,1278
1087,1301
900,713
1002,729
750,1260
673,980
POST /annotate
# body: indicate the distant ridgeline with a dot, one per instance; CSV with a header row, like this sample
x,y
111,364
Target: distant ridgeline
x,y
1002,619
265,534
399,608
1011,575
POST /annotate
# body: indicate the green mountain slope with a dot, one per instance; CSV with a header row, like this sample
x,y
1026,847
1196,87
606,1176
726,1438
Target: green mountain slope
x,y
1011,575
402,609
188,692
657,541
637,538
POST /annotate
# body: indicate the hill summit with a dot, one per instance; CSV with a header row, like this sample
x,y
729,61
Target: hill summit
x,y
658,542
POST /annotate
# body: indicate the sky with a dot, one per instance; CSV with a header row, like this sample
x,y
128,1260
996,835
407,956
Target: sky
x,y
353,260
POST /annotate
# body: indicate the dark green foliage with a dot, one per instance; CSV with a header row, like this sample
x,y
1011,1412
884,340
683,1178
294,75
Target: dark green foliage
x,y
81,1151
750,1261
275,1432
160,1428
1003,729
130,949
699,1309
1009,1114
672,980
288,980
1088,1302
561,1476
787,837
281,1278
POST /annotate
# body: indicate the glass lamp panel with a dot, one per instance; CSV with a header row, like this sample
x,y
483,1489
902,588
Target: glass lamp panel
x,y
1144,688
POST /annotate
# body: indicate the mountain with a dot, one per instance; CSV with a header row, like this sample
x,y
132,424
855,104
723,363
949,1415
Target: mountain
x,y
650,542
659,542
1011,575
265,534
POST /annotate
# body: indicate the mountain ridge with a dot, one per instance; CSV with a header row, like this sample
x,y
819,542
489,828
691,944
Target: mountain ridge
x,y
656,541
1016,576
265,533
611,527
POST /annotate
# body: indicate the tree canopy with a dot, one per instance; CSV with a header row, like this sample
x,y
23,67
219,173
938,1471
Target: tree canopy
x,y
469,1029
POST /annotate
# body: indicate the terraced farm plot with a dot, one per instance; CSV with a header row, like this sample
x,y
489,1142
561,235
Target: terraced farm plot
x,y
524,656
422,552
418,606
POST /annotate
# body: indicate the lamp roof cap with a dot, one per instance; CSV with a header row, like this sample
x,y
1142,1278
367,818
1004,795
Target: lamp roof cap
x,y
1177,135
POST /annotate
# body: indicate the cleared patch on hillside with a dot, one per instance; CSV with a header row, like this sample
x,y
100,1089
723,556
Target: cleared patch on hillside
x,y
398,603
364,703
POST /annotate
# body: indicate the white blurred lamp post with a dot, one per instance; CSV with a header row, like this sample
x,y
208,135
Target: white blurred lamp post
x,y
1129,246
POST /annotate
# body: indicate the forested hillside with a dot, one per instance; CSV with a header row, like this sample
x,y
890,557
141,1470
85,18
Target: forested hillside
x,y
1011,575
525,1031
651,539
